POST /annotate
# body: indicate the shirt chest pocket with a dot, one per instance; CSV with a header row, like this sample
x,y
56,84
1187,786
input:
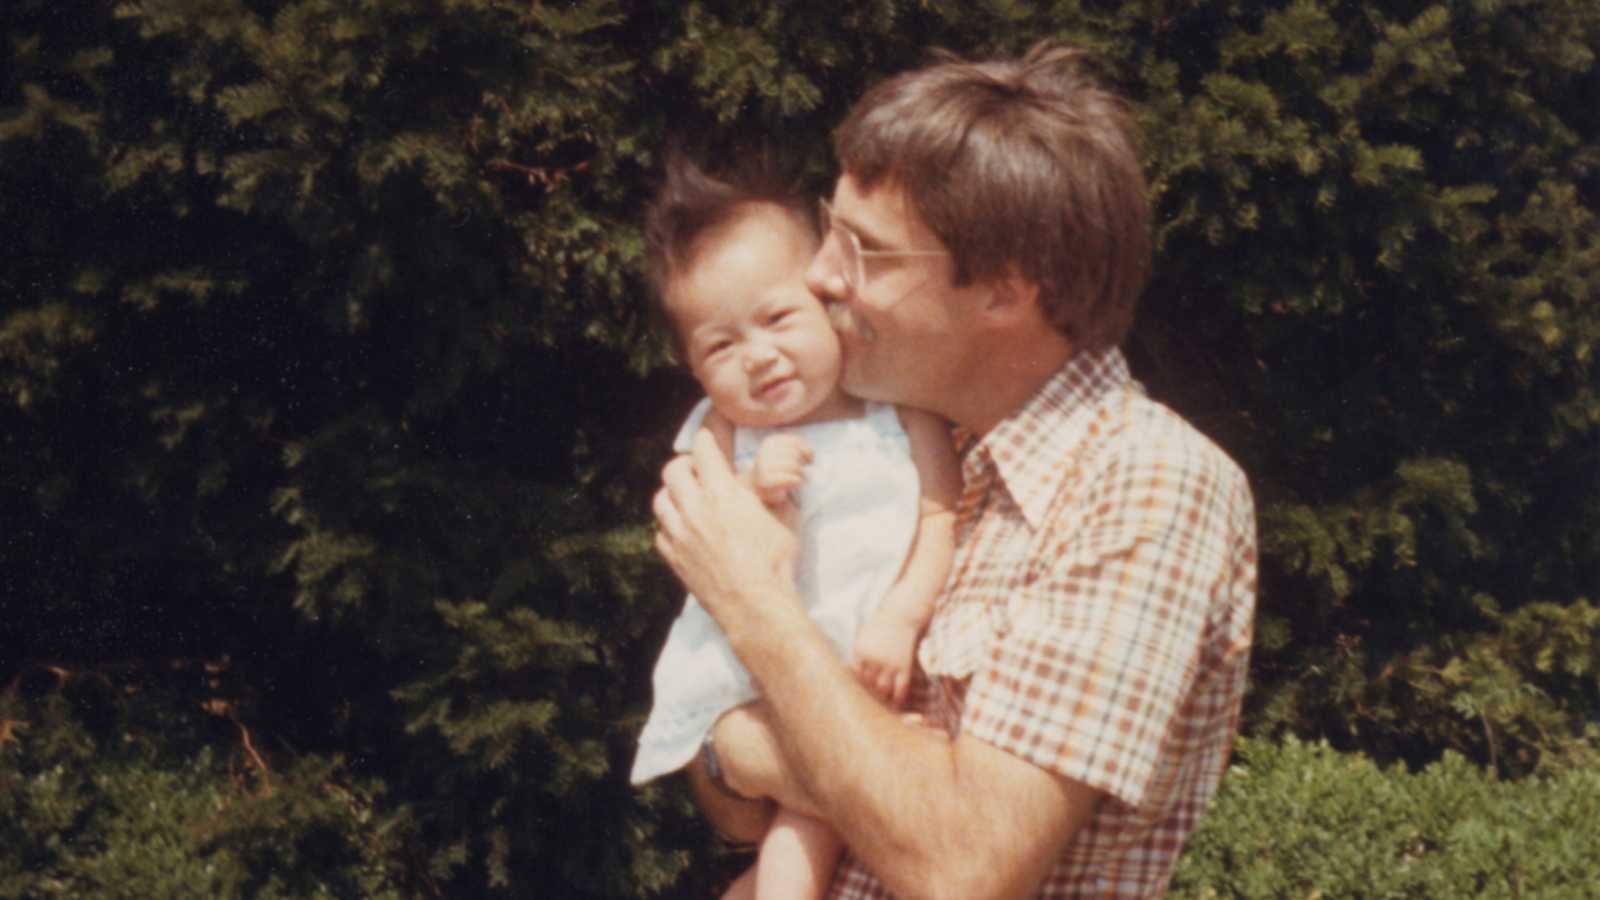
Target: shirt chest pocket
x,y
1037,571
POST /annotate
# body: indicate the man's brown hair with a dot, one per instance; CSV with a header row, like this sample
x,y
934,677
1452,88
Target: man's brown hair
x,y
1027,162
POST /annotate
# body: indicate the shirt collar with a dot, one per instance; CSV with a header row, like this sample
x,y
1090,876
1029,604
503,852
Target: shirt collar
x,y
1034,448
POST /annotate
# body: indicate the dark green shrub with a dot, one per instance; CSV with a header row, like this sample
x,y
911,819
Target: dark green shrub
x,y
1300,820
112,790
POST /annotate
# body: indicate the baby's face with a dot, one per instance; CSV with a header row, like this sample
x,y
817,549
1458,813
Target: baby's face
x,y
756,339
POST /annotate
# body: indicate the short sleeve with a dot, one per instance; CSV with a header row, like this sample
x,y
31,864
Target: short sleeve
x,y
684,441
1089,675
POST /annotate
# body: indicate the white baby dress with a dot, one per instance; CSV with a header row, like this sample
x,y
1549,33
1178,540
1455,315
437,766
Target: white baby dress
x,y
857,517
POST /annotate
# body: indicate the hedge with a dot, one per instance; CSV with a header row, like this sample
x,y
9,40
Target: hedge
x,y
324,364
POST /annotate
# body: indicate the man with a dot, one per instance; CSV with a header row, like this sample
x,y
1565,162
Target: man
x,y
985,246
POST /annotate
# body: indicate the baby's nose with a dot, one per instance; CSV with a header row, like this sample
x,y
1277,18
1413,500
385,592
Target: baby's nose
x,y
760,354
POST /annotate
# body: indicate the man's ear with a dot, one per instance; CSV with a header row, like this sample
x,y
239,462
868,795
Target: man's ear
x,y
1013,296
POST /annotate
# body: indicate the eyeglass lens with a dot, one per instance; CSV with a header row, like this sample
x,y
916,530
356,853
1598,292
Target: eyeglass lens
x,y
849,245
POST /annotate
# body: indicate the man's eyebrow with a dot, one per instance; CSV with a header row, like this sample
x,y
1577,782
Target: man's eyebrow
x,y
868,239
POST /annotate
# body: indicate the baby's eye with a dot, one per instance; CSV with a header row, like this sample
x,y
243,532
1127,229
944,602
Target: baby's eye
x,y
781,314
715,348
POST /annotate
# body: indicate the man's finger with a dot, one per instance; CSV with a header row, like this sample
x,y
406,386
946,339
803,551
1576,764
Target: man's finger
x,y
665,511
710,466
682,490
680,471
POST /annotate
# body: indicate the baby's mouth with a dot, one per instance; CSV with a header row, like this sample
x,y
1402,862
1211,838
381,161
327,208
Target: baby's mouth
x,y
848,324
770,387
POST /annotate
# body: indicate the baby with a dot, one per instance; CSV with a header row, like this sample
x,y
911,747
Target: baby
x,y
868,488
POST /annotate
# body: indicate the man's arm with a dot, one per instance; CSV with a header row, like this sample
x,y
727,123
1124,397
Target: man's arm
x,y
928,816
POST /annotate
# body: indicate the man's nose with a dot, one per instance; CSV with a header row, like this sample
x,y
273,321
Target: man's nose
x,y
825,276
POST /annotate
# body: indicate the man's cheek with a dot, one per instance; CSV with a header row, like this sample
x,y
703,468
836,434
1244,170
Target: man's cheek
x,y
849,325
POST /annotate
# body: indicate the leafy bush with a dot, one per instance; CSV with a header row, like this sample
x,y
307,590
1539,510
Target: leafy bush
x,y
1296,819
109,790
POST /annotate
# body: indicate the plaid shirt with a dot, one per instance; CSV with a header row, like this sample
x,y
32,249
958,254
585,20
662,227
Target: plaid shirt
x,y
1097,619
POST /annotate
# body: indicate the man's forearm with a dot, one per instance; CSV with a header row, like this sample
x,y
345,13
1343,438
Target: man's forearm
x,y
827,731
831,741
926,815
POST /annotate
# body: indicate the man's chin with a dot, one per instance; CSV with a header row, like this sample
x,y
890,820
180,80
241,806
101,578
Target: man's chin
x,y
856,381
864,389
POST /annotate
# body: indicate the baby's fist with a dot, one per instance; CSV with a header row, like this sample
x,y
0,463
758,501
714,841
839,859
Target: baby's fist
x,y
780,467
884,654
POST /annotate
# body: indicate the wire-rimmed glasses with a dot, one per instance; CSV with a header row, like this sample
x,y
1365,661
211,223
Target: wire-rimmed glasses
x,y
855,266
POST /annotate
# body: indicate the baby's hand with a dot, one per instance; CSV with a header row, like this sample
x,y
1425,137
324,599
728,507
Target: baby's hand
x,y
780,467
884,651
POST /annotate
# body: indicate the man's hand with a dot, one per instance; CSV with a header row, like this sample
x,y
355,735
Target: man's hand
x,y
884,651
719,538
780,467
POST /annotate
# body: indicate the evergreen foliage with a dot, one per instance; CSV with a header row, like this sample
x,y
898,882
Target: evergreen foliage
x,y
110,789
323,358
1299,820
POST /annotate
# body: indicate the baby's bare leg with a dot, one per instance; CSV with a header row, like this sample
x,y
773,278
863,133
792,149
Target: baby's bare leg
x,y
797,858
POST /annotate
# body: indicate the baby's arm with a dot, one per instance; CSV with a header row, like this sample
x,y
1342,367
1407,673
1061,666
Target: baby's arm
x,y
886,645
779,467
